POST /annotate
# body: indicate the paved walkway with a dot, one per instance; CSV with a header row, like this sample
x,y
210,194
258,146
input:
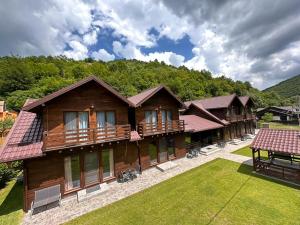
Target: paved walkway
x,y
70,209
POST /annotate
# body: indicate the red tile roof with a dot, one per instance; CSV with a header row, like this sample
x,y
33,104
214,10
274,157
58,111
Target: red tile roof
x,y
287,141
139,99
134,136
71,87
195,123
199,106
215,102
24,139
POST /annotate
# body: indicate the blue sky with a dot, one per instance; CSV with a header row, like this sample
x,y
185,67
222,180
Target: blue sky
x,y
239,39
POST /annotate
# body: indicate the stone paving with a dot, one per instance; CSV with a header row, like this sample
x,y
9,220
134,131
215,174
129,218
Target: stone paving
x,y
70,209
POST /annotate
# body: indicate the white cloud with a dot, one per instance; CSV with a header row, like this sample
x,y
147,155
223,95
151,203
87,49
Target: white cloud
x,y
103,55
79,51
90,38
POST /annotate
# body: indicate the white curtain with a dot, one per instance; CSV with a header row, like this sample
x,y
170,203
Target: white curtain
x,y
70,126
83,125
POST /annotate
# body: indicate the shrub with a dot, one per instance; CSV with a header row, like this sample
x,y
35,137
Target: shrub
x,y
5,174
267,117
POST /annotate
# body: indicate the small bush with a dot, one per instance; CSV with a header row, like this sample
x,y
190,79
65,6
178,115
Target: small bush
x,y
267,117
5,174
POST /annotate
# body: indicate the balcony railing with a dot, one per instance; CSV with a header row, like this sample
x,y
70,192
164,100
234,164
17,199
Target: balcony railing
x,y
235,118
249,116
54,140
145,129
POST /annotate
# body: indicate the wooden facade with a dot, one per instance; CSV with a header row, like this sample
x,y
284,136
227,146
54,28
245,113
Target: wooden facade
x,y
60,144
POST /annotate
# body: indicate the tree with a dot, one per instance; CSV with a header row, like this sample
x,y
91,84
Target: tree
x,y
5,125
267,117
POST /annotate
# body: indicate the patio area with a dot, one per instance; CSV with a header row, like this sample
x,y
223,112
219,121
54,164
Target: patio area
x,y
71,209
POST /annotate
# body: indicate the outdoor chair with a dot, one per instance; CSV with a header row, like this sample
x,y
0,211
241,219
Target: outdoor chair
x,y
46,196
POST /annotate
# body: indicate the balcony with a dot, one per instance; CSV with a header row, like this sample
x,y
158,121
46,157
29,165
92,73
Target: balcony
x,y
235,118
146,129
79,137
250,116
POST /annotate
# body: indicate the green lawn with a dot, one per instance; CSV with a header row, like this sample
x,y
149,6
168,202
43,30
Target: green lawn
x,y
246,151
11,203
275,125
219,192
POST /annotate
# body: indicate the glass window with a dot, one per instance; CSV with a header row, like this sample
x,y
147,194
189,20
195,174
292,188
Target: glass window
x,y
108,163
72,172
83,125
163,154
152,149
91,168
171,146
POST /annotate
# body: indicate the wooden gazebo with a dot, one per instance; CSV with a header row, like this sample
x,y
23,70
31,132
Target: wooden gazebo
x,y
283,154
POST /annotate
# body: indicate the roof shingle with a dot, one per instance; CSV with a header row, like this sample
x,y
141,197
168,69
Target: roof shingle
x,y
214,102
24,139
195,123
287,141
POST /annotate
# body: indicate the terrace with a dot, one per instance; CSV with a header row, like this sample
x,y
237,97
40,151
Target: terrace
x,y
57,140
146,129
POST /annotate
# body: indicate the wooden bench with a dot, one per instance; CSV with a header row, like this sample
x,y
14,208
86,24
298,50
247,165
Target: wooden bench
x,y
46,196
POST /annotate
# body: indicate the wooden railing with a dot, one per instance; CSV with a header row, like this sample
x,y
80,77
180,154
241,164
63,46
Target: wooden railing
x,y
145,129
235,118
54,140
249,116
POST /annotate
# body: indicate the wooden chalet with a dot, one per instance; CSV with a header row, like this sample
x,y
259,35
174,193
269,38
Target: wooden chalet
x,y
156,118
283,154
235,113
87,134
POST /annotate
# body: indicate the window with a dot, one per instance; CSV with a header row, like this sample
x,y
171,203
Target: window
x,y
152,150
91,168
76,124
72,172
171,146
166,117
106,122
151,120
108,163
163,150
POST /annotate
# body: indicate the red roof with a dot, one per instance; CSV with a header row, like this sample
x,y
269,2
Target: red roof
x,y
139,99
199,106
71,87
287,141
24,139
244,99
215,102
195,123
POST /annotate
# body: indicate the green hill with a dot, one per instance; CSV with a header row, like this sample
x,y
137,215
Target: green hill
x,y
287,88
35,77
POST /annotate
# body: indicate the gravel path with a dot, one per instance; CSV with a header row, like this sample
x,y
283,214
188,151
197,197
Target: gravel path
x,y
70,209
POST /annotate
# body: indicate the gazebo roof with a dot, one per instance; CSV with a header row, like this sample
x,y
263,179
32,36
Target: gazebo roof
x,y
286,141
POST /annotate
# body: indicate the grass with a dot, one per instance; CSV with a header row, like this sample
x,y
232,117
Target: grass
x,y
283,126
11,203
246,151
219,192
275,125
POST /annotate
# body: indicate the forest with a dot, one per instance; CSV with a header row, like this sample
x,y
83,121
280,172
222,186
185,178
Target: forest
x,y
35,77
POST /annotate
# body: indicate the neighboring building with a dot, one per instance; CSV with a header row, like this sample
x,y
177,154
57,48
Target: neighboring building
x,y
4,113
280,113
235,113
85,134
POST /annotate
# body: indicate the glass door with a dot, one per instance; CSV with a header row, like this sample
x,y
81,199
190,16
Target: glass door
x,y
163,150
70,120
72,172
152,149
111,124
108,163
91,168
83,126
151,120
